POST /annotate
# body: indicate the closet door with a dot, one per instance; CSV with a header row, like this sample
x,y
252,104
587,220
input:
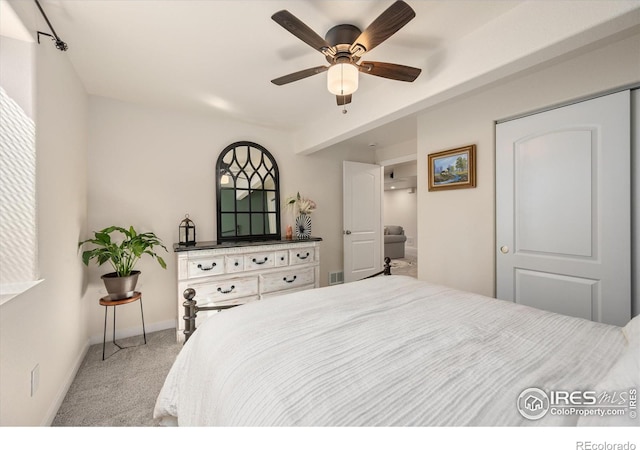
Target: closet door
x,y
563,210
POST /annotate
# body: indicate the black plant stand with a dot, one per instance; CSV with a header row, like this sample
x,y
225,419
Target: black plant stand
x,y
106,302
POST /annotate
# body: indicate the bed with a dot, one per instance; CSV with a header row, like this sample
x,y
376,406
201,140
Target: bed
x,y
389,351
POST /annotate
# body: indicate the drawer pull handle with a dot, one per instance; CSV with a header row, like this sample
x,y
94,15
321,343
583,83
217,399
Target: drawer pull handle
x,y
266,258
206,268
303,257
282,258
236,263
291,280
227,291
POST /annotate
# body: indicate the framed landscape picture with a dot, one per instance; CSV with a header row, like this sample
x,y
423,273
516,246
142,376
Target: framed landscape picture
x,y
452,169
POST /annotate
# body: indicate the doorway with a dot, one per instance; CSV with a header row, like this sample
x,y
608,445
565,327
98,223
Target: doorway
x,y
400,205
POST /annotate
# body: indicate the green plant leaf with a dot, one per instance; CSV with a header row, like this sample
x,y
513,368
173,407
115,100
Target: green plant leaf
x,y
124,255
86,257
102,238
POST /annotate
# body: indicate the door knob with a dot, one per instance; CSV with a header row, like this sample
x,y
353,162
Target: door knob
x,y
504,249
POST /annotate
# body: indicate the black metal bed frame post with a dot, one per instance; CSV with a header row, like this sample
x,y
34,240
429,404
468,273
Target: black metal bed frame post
x,y
386,271
191,310
189,318
387,266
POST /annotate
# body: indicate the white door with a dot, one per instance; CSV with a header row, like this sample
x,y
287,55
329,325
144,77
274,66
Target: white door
x,y
362,220
563,230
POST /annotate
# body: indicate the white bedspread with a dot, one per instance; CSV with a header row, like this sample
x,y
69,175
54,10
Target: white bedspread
x,y
389,351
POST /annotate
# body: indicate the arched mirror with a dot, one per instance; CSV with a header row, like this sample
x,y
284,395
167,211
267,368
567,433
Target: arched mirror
x,y
247,193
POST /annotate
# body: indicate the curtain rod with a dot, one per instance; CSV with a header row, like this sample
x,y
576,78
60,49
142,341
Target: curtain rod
x,y
60,44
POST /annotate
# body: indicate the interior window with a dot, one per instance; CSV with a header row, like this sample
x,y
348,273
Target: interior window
x,y
18,233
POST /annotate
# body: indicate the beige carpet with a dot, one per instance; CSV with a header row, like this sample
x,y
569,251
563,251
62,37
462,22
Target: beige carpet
x,y
120,391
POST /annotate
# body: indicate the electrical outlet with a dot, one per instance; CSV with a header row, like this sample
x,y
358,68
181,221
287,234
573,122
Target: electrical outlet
x,y
35,379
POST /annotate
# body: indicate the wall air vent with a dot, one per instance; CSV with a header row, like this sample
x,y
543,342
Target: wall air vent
x,y
336,278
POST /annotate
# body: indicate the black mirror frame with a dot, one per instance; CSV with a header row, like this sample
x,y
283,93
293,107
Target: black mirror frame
x,y
220,168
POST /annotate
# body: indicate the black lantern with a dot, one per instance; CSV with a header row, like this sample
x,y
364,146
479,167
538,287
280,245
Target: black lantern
x,y
187,232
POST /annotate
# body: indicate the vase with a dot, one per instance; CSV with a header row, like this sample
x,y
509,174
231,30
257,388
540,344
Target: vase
x,y
303,226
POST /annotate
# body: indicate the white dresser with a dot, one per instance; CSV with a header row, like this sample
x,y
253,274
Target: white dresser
x,y
240,272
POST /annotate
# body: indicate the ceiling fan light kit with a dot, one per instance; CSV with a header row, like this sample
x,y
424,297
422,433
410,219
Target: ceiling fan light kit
x,y
344,45
342,79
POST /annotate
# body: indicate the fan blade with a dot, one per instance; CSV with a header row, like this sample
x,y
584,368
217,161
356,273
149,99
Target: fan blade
x,y
296,27
343,99
388,70
387,23
299,75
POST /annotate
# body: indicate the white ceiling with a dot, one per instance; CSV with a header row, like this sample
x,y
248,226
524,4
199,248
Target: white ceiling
x,y
219,56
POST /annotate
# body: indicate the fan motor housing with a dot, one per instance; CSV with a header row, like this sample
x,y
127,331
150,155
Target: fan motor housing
x,y
342,34
341,37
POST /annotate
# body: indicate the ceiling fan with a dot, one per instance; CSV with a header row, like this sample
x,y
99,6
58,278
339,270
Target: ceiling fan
x,y
344,45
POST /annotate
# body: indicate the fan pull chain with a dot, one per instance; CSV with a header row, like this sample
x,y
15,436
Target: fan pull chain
x,y
341,79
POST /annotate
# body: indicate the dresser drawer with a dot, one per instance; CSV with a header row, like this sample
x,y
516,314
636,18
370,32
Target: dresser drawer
x,y
205,267
301,255
234,264
255,261
282,258
287,279
220,292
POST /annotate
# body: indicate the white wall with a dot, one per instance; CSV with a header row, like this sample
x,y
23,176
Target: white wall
x,y
397,152
149,166
17,72
459,225
635,201
46,326
401,208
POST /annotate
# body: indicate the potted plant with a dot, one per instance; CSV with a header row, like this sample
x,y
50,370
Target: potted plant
x,y
122,256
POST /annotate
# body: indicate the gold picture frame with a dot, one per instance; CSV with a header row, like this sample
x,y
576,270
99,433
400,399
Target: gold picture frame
x,y
452,169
